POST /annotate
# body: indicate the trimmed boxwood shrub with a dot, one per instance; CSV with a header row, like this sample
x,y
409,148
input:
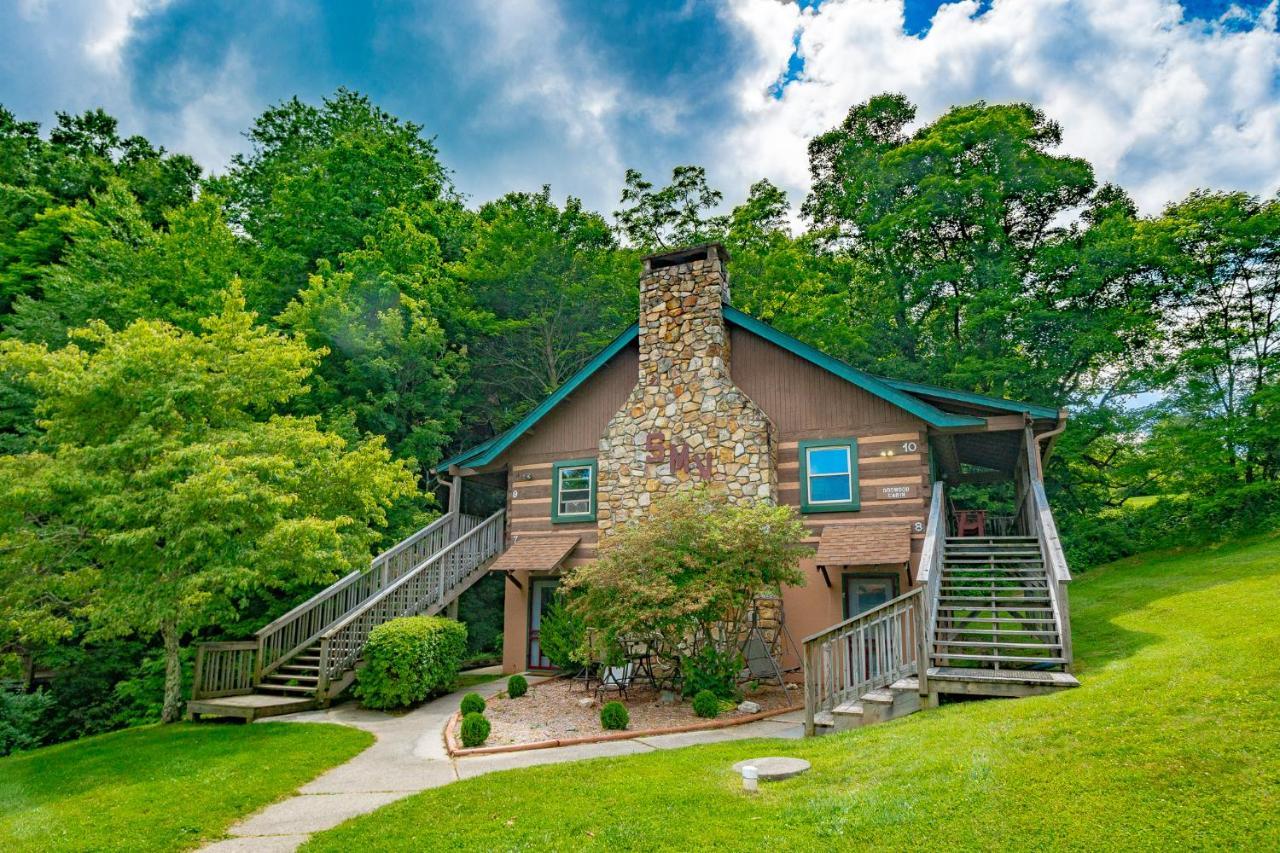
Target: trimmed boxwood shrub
x,y
706,704
473,703
517,686
475,729
614,716
410,659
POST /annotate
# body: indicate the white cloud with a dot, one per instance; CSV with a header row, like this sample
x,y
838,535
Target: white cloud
x,y
100,28
1158,104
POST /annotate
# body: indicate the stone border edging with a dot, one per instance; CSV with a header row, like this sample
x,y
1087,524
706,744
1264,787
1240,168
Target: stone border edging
x,y
456,750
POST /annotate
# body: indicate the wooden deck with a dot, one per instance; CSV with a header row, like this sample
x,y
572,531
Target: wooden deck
x,y
250,706
973,681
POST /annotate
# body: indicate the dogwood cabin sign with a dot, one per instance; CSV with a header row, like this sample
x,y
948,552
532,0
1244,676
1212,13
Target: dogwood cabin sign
x,y
660,449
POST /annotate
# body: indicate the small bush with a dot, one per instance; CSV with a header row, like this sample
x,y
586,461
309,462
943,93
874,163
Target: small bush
x,y
517,686
711,670
475,729
473,703
614,716
706,704
20,720
410,659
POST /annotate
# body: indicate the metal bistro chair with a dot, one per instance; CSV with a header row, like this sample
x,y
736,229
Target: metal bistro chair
x,y
616,678
640,651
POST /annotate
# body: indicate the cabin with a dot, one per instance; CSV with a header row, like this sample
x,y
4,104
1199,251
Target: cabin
x,y
907,596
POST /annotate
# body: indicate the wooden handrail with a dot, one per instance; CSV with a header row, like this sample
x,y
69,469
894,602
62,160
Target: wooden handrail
x,y
224,669
1040,523
303,625
870,650
930,577
424,589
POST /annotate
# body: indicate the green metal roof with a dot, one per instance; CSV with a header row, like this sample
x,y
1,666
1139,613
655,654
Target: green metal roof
x,y
970,398
896,391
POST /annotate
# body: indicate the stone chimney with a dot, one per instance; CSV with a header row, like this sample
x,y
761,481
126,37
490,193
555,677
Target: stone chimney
x,y
685,422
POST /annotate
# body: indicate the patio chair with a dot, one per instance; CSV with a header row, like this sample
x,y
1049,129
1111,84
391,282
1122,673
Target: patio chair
x,y
616,678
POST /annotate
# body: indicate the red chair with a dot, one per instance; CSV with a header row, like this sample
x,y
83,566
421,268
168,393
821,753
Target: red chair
x,y
971,522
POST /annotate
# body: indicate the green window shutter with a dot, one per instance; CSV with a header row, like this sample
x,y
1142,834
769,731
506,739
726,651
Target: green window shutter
x,y
829,475
573,491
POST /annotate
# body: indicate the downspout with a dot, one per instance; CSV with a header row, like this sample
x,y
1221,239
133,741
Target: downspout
x,y
1051,437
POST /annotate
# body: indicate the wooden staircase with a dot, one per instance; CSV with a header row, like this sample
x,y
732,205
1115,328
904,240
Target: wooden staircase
x,y
994,606
310,654
988,617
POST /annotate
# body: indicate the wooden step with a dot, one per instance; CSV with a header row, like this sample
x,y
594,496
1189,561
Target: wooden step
x,y
983,579
268,687
996,602
1000,658
1002,620
991,589
997,630
979,644
277,678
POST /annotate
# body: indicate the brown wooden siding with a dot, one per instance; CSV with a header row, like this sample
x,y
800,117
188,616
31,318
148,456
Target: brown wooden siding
x,y
570,431
804,402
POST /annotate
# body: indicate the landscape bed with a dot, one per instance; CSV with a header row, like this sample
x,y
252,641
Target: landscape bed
x,y
551,714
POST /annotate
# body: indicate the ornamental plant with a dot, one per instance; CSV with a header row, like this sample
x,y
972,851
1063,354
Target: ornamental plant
x,y
696,562
614,716
473,703
475,729
410,659
706,704
517,686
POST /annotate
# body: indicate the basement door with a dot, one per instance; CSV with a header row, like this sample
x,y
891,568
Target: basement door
x,y
541,592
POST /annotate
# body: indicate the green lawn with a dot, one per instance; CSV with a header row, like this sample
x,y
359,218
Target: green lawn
x,y
159,787
1172,742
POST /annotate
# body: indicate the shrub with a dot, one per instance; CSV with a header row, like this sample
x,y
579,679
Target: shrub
x,y
706,704
20,720
711,670
560,635
475,729
473,703
517,686
614,716
409,659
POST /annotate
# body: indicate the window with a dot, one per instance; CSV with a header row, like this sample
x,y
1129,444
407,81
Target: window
x,y
573,490
829,475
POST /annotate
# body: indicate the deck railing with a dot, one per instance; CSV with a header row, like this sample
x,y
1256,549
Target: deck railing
x,y
1038,518
870,650
424,589
929,576
224,669
302,625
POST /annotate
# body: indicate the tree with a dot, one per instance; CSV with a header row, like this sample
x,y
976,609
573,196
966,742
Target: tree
x,y
970,267
166,487
319,180
695,563
1220,257
389,363
558,290
672,216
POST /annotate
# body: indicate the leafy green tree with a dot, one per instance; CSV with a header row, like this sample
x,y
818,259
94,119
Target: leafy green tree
x,y
1220,256
970,266
41,179
117,268
166,487
558,289
389,363
673,216
318,180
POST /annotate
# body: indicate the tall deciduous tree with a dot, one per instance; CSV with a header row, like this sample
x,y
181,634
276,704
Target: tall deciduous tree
x,y
558,289
166,488
676,215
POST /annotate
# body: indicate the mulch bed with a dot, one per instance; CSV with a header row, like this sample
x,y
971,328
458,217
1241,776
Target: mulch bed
x,y
550,714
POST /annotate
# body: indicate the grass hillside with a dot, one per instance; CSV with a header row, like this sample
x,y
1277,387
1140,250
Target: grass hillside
x,y
159,787
1172,741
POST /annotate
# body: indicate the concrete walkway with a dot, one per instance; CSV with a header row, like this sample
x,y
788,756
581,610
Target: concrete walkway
x,y
409,756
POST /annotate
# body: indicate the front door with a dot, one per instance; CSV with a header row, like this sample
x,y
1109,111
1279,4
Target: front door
x,y
541,592
863,592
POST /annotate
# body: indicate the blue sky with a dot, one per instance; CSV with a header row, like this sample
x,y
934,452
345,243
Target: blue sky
x,y
1161,96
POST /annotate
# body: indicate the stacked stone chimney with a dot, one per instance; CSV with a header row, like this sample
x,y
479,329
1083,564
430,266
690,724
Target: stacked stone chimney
x,y
685,422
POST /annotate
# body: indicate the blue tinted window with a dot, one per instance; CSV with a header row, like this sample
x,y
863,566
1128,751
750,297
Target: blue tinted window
x,y
829,489
828,460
